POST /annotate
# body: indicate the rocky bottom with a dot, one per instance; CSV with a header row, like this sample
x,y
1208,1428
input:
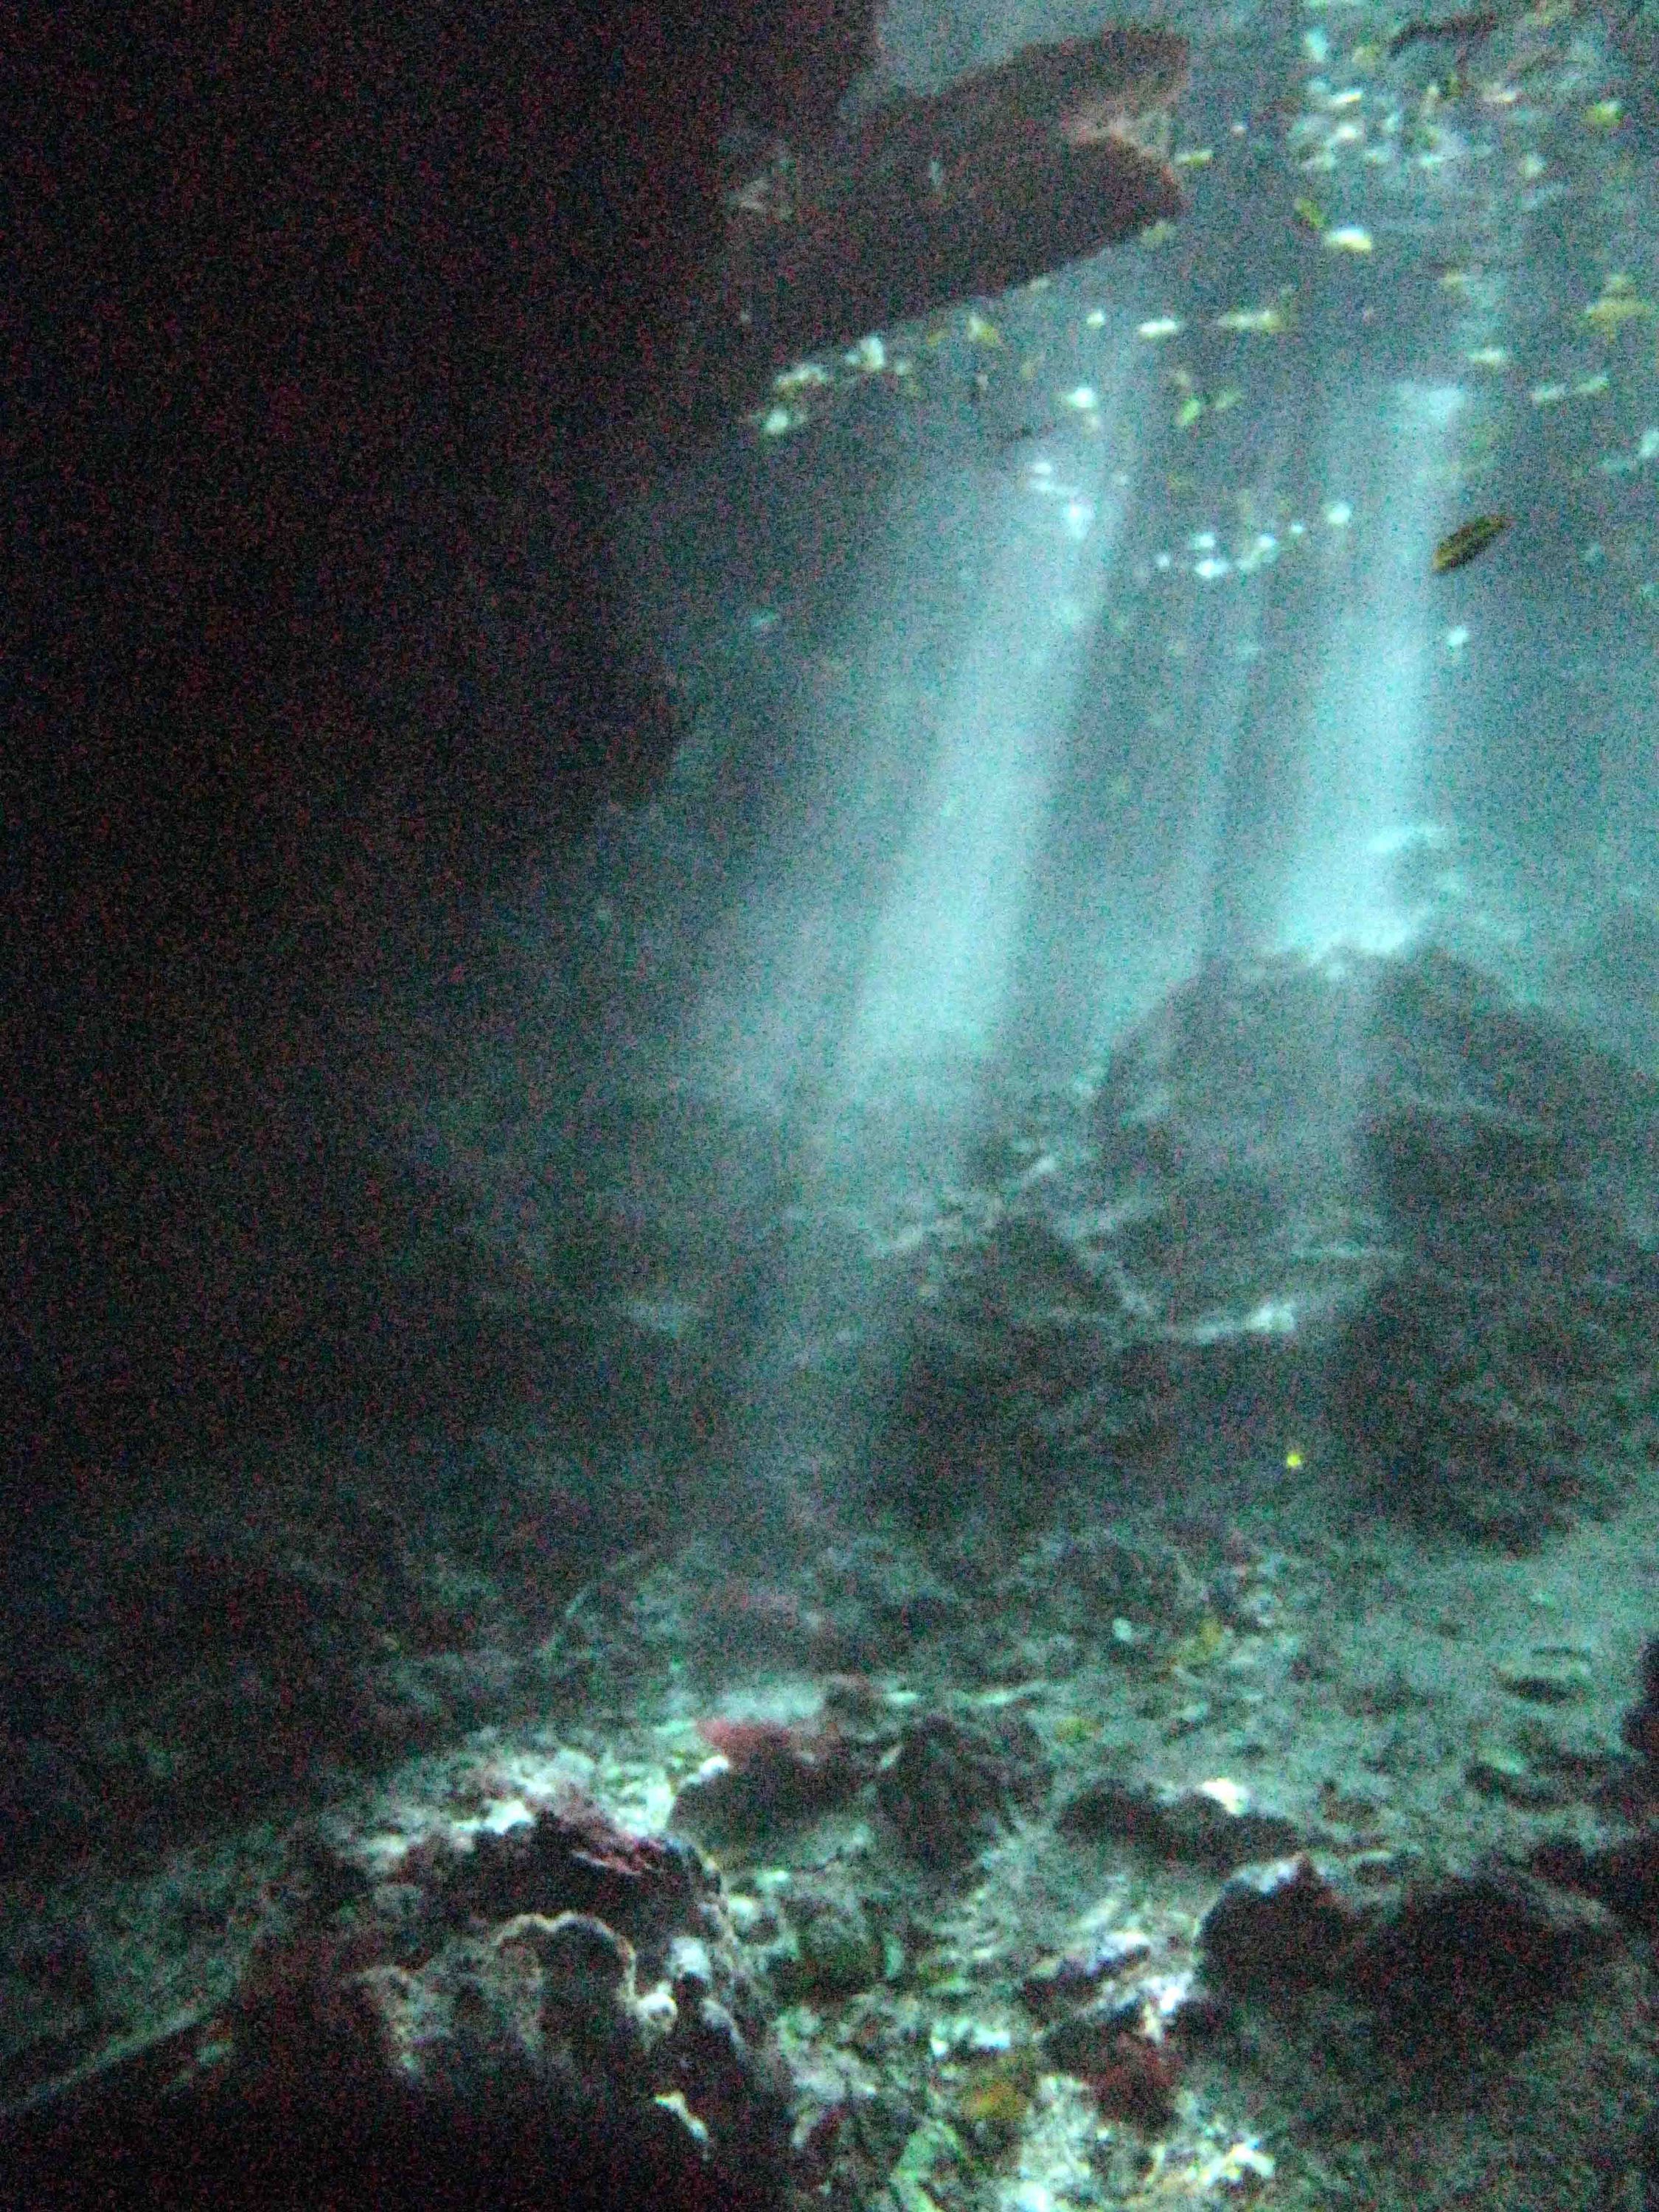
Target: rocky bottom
x,y
1168,1861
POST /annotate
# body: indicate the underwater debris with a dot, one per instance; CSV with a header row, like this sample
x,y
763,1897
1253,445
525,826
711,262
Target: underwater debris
x,y
1467,540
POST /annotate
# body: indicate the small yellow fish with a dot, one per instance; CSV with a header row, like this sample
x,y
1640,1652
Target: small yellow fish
x,y
1468,539
1268,322
1617,306
980,331
1309,215
1604,115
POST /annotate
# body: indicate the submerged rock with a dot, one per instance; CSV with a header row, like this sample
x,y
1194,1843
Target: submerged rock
x,y
951,1787
553,2009
932,198
1370,1199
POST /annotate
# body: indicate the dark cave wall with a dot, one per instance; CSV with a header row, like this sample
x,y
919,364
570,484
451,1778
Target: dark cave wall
x,y
330,340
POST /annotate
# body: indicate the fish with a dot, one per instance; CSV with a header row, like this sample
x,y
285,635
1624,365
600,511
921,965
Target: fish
x,y
1617,304
1479,23
1271,321
1468,539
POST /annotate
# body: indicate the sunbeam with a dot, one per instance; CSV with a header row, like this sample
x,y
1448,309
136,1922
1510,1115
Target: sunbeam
x,y
1366,729
942,955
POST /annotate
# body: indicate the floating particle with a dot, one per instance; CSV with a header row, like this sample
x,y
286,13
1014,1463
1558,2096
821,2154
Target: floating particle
x,y
1339,514
1468,539
1492,356
1159,326
1348,238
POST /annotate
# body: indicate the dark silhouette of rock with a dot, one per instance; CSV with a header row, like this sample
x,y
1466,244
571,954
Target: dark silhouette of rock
x,y
930,199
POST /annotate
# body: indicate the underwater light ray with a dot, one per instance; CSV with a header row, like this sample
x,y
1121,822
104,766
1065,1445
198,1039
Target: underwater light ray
x,y
944,958
1362,764
874,959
